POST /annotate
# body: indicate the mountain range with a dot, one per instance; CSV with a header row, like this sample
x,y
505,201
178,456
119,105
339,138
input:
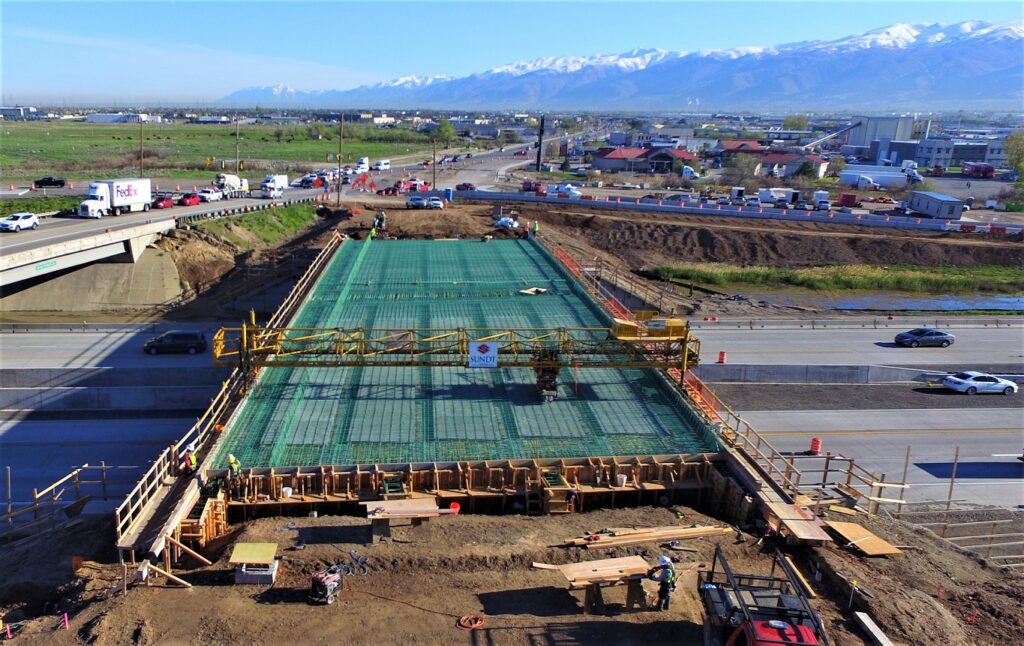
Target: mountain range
x,y
927,67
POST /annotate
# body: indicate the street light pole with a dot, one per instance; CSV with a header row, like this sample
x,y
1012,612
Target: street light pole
x,y
433,163
341,138
237,156
141,151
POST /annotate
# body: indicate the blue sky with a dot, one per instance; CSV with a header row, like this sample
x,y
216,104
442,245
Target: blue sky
x,y
127,53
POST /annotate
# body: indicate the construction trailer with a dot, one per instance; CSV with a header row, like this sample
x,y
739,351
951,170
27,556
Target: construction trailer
x,y
935,205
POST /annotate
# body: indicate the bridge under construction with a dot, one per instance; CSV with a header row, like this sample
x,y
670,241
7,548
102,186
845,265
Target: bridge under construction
x,y
364,386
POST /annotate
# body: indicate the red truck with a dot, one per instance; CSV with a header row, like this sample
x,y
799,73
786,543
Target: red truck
x,y
978,169
532,186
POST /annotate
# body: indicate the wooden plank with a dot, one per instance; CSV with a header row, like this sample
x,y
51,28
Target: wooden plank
x,y
543,566
257,553
890,484
807,530
170,576
863,539
604,568
878,638
892,500
188,550
667,535
808,590
846,511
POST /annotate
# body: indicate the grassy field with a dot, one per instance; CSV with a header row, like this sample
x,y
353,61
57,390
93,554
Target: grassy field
x,y
896,278
38,204
77,149
270,226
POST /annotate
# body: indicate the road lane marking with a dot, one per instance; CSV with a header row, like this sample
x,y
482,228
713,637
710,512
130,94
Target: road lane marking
x,y
1006,455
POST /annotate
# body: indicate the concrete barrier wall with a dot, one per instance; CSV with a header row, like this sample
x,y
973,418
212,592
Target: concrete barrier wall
x,y
647,204
795,374
901,322
191,398
164,378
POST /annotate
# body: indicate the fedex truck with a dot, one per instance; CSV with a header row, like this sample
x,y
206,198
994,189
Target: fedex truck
x,y
116,196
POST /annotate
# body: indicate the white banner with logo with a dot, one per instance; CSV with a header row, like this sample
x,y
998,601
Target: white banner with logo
x,y
483,354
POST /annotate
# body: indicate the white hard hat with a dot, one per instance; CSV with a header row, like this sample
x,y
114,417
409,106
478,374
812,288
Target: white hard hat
x,y
231,458
664,560
191,447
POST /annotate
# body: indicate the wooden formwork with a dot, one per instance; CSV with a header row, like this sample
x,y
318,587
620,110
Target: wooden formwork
x,y
606,481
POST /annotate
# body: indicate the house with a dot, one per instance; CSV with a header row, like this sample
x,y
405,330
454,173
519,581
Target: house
x,y
639,160
776,164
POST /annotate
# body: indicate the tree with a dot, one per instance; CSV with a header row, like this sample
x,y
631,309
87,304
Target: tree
x,y
566,166
806,169
636,124
566,124
278,133
795,122
446,133
836,166
551,149
1015,150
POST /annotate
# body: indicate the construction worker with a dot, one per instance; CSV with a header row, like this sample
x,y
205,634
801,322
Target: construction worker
x,y
373,233
536,228
665,574
189,466
383,220
234,468
572,499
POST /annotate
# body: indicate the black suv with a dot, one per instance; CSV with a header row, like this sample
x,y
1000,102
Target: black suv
x,y
50,182
176,341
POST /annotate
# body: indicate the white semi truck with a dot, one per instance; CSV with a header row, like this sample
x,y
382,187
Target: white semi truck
x,y
232,185
116,196
273,186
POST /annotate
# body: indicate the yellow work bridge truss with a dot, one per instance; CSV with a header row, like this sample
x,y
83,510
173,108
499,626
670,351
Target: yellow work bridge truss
x,y
252,347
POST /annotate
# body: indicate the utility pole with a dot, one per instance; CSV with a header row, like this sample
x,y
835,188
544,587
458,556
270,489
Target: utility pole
x,y
540,142
433,163
141,163
237,159
341,138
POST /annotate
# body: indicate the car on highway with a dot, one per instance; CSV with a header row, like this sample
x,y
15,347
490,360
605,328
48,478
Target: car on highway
x,y
19,221
925,336
456,158
802,205
427,162
176,341
416,202
722,201
189,199
210,195
752,201
163,202
50,182
465,186
434,203
973,382
521,153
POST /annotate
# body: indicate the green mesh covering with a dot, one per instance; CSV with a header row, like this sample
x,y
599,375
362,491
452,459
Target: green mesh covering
x,y
328,415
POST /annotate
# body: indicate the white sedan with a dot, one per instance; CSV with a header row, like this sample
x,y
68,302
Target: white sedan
x,y
972,383
210,195
434,203
19,221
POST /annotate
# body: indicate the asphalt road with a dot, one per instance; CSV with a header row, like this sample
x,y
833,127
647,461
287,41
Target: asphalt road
x,y
989,439
855,346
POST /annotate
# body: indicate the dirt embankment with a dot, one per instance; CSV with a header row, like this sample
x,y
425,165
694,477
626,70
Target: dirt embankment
x,y
415,588
646,240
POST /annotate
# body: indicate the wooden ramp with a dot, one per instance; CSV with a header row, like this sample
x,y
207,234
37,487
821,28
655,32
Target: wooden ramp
x,y
863,539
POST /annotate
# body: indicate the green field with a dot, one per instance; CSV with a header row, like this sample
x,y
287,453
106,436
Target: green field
x,y
270,226
893,278
86,150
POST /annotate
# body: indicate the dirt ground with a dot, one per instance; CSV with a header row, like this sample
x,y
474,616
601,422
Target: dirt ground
x,y
416,588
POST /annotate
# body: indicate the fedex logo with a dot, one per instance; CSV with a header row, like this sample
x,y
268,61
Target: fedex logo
x,y
126,191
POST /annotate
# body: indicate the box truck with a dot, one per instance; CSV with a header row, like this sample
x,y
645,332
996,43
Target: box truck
x,y
273,186
116,196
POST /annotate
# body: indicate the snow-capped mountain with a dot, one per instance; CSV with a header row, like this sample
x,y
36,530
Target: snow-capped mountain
x,y
967,65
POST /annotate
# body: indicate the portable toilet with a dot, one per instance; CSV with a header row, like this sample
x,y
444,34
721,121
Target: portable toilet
x,y
448,194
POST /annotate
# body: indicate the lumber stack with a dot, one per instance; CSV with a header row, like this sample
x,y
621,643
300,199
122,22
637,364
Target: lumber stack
x,y
622,537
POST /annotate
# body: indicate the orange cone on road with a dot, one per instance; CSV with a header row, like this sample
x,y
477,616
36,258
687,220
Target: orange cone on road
x,y
721,357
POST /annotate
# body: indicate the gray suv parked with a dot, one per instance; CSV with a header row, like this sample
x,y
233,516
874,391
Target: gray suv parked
x,y
176,341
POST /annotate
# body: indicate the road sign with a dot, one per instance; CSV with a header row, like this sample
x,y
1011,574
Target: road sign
x,y
483,354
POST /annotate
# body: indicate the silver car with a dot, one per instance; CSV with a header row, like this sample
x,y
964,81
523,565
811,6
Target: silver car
x,y
924,336
972,383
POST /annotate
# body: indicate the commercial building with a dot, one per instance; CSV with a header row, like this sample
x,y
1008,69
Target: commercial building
x,y
122,117
639,160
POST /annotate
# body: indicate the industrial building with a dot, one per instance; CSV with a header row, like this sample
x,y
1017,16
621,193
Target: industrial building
x,y
122,117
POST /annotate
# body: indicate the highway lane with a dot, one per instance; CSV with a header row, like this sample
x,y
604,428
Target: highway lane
x,y
989,441
856,346
89,349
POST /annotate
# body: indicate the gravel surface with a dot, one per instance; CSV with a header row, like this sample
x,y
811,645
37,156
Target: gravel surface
x,y
859,397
